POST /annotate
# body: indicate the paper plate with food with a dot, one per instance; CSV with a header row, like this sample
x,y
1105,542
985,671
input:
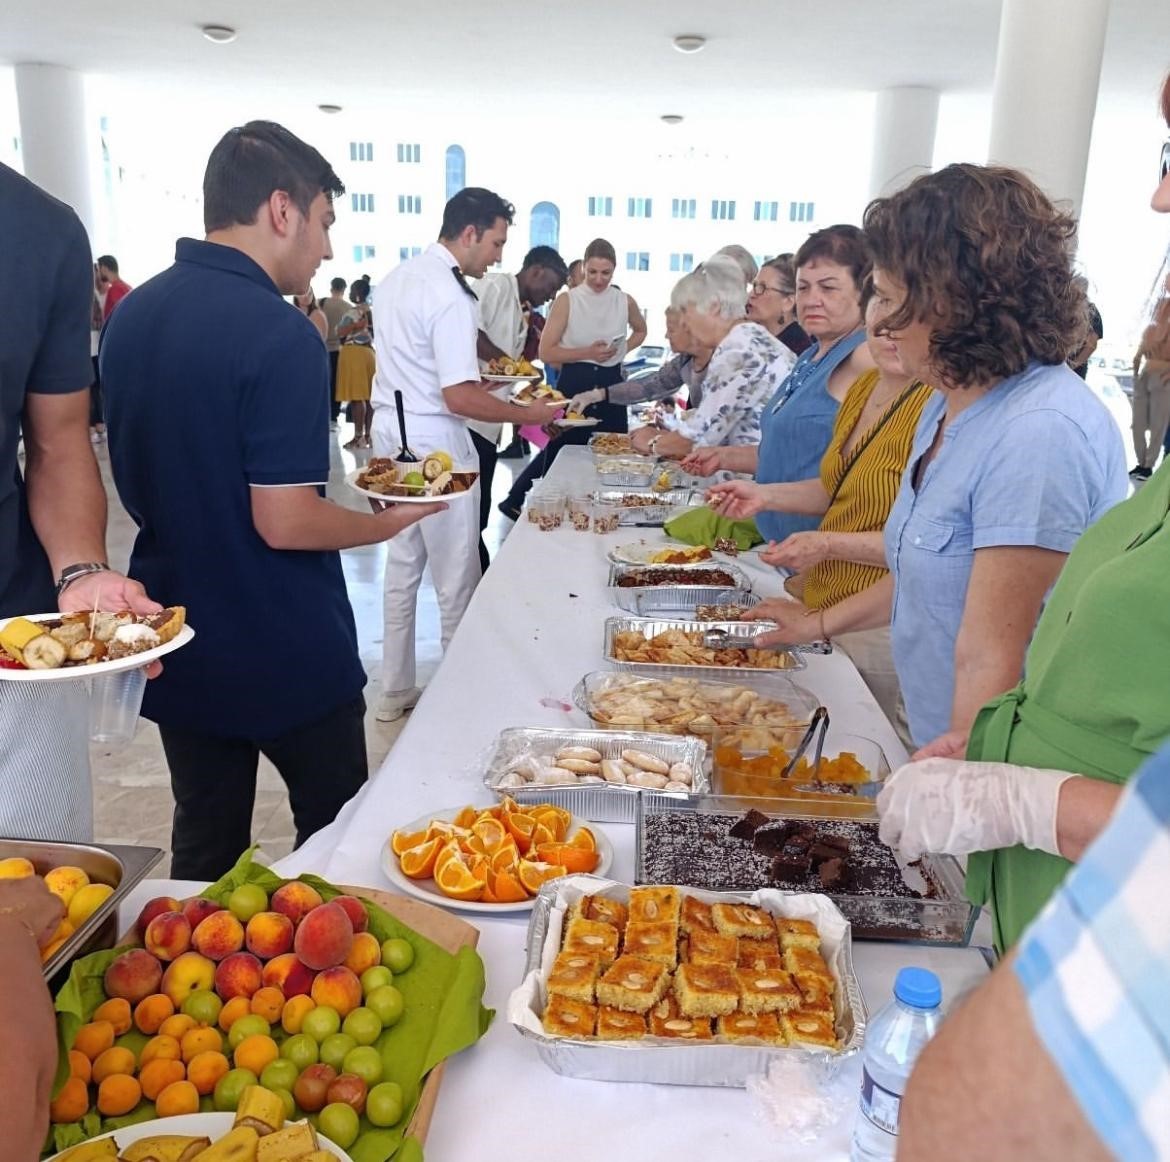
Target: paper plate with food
x,y
46,647
529,393
433,478
491,859
512,371
572,420
659,553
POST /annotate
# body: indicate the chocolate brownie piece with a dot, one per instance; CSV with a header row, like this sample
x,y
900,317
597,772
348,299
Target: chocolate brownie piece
x,y
787,868
833,874
746,827
772,840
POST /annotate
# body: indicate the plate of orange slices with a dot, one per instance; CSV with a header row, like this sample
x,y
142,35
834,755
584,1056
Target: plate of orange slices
x,y
491,859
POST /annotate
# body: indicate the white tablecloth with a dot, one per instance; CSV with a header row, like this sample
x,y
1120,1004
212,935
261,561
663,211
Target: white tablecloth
x,y
533,629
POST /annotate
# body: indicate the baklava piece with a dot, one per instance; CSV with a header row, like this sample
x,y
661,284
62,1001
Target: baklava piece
x,y
798,934
754,960
742,920
592,936
667,1021
653,904
696,916
809,1027
656,941
751,1027
712,948
767,991
618,1025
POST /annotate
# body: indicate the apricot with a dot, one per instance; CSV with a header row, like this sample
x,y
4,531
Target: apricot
x,y
154,908
178,1026
324,937
151,1012
156,1075
117,1012
365,953
269,1003
16,868
65,882
79,1065
71,1103
133,976
355,910
269,934
236,1008
203,1039
86,901
118,1095
293,1014
295,900
217,937
94,1039
160,1047
180,1097
113,1060
189,973
337,988
205,1069
239,975
289,975
168,936
255,1052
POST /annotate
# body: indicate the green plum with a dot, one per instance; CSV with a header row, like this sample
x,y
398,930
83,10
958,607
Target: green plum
x,y
320,1023
387,1003
246,1027
335,1047
281,1073
203,1005
302,1050
374,978
366,1062
285,1095
246,901
363,1024
230,1088
397,954
339,1122
384,1104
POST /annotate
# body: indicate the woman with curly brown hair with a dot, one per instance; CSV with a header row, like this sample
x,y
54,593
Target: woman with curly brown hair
x,y
1013,457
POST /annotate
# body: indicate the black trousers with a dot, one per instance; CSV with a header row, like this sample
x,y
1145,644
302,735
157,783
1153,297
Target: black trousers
x,y
213,780
486,451
96,408
334,402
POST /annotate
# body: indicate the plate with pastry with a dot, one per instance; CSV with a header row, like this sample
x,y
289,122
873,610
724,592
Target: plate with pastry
x,y
659,553
48,647
435,477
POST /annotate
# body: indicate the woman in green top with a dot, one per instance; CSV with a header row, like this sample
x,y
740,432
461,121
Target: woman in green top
x,y
1046,761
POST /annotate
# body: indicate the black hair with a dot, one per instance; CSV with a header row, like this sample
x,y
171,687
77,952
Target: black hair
x,y
547,257
477,207
109,262
337,284
253,161
360,287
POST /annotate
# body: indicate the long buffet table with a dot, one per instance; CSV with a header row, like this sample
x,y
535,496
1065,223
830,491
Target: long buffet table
x,y
533,629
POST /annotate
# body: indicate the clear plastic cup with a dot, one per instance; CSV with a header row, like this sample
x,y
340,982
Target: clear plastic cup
x,y
546,512
114,703
581,514
606,516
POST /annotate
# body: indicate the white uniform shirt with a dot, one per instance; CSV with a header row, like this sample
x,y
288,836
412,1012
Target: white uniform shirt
x,y
424,334
501,319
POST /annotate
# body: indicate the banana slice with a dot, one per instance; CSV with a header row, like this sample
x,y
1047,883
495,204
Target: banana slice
x,y
44,652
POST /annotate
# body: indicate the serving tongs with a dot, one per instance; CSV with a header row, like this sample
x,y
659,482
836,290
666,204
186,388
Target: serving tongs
x,y
723,639
405,455
818,727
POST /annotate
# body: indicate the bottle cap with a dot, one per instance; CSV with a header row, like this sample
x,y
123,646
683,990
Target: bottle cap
x,y
918,987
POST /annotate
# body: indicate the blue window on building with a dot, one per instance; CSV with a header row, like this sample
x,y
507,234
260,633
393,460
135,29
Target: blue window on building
x,y
682,207
722,211
361,151
682,263
362,203
801,211
409,204
544,225
601,207
637,260
456,170
639,207
405,252
767,212
409,154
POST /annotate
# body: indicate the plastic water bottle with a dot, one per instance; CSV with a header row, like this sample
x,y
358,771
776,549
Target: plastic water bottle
x,y
893,1041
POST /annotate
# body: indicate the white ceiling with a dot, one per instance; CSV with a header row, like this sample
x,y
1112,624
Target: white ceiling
x,y
581,57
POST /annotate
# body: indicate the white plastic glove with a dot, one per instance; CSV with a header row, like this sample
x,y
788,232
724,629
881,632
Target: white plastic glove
x,y
957,807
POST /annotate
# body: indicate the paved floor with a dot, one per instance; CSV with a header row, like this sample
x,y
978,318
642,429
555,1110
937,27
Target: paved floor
x,y
132,796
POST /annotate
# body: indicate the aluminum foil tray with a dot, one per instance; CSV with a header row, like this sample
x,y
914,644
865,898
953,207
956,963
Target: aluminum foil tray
x,y
679,602
611,803
941,916
647,515
664,1062
122,867
616,572
789,659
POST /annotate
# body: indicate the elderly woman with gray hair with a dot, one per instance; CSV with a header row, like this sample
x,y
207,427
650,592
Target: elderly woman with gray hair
x,y
746,367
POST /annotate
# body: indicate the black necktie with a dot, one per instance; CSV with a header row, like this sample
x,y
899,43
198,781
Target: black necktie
x,y
463,282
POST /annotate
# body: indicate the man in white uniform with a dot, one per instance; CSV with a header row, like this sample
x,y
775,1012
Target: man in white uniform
x,y
506,306
426,321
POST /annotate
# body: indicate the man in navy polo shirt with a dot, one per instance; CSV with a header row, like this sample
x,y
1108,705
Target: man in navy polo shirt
x,y
219,441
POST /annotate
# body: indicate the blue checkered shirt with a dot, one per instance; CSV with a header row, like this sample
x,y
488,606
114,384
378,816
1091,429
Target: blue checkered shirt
x,y
1095,966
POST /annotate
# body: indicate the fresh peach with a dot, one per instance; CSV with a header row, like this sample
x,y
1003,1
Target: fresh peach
x,y
218,936
269,934
197,909
338,988
289,975
355,910
185,975
65,882
364,953
324,937
295,900
133,976
152,908
238,975
168,935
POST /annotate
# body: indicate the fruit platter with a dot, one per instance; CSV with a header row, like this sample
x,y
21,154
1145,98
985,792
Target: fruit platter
x,y
341,1007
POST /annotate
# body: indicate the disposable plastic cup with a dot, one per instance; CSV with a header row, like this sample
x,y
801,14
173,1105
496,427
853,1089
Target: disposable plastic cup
x,y
114,703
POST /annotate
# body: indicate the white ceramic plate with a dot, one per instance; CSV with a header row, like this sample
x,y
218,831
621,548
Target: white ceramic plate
x,y
97,669
427,891
213,1126
513,378
576,422
351,480
641,552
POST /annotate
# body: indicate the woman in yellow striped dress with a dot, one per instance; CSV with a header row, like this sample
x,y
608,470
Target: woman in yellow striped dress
x,y
861,471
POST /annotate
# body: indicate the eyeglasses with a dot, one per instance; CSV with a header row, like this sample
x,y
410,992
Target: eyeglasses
x,y
1164,163
758,288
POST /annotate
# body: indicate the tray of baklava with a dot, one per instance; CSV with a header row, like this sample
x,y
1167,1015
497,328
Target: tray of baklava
x,y
680,986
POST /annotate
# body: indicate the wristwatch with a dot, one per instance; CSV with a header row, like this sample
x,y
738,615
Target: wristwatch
x,y
72,572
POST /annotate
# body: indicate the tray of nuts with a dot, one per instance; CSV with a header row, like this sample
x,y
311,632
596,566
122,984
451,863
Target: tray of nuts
x,y
646,507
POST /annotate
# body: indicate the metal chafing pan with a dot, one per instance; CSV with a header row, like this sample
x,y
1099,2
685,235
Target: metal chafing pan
x,y
665,1062
602,803
646,515
790,659
122,867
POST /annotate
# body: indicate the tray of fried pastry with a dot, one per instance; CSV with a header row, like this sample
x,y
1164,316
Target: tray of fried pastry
x,y
679,986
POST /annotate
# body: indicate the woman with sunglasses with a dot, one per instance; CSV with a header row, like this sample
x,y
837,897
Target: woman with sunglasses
x,y
772,303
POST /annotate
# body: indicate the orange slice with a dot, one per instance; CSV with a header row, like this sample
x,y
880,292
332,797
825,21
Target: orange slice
x,y
490,833
507,889
583,839
465,817
547,812
533,874
506,858
572,859
543,833
448,851
418,862
401,841
459,882
520,827
508,805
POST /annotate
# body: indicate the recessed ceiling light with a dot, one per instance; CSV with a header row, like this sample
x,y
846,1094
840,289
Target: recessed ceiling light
x,y
672,118
219,33
329,108
690,43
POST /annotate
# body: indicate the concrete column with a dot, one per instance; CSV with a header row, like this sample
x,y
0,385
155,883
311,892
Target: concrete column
x,y
903,137
1046,77
54,137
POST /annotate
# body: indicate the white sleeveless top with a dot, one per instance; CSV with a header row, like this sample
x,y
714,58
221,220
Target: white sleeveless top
x,y
597,316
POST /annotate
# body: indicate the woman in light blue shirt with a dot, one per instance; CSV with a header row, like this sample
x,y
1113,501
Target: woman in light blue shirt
x,y
1012,460
797,422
